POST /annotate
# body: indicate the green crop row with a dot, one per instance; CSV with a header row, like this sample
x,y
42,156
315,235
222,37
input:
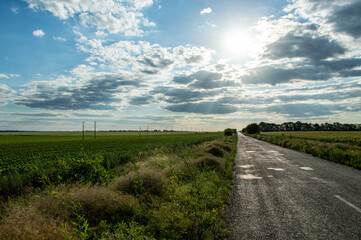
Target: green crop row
x,y
173,193
33,165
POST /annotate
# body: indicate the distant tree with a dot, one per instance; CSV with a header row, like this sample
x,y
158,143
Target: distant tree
x,y
299,126
253,128
228,132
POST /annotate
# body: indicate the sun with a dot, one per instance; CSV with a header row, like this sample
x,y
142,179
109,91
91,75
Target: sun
x,y
237,42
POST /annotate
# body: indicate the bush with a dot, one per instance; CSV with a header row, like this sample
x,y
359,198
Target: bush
x,y
211,162
145,180
224,146
27,223
253,128
228,132
99,203
216,151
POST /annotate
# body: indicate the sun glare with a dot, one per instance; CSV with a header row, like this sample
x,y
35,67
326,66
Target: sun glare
x,y
237,43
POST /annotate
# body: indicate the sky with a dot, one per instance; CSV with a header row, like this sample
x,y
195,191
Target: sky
x,y
200,65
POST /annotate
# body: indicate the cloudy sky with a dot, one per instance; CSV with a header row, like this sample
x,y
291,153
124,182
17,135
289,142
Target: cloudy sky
x,y
178,64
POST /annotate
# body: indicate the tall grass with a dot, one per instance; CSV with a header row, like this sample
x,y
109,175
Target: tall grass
x,y
343,153
179,193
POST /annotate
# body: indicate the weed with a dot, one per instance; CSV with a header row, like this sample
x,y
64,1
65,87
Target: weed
x,y
27,223
216,151
145,180
210,162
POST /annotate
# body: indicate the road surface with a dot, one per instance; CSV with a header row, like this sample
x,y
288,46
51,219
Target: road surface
x,y
280,193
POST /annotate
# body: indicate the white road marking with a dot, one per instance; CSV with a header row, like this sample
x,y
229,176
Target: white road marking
x,y
248,176
245,166
348,203
269,176
250,151
318,179
249,171
307,168
276,169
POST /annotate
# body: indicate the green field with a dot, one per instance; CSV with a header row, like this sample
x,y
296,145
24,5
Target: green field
x,y
26,148
352,137
63,156
160,186
338,146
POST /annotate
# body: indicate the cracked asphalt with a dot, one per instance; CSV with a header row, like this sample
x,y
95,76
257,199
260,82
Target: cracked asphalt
x,y
280,193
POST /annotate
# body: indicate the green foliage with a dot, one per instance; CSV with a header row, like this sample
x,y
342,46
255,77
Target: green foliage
x,y
253,128
185,196
148,181
318,145
26,165
228,132
216,151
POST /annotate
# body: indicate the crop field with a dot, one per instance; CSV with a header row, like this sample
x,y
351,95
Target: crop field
x,y
117,186
17,150
338,146
35,159
352,137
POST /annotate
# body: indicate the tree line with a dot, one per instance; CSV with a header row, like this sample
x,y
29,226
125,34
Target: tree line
x,y
300,126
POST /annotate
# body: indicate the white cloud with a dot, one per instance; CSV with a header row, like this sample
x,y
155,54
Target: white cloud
x,y
38,33
4,76
101,33
14,10
5,93
142,56
60,39
206,10
7,76
107,15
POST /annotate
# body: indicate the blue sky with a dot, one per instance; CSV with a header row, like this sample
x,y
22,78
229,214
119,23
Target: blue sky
x,y
178,64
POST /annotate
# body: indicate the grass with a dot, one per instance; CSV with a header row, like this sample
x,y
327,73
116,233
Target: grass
x,y
174,192
340,147
347,137
28,165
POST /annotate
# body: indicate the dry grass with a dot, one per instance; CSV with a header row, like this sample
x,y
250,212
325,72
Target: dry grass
x,y
150,180
224,146
100,203
216,150
209,161
27,223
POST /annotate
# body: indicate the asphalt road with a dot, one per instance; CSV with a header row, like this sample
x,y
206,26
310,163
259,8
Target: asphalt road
x,y
280,193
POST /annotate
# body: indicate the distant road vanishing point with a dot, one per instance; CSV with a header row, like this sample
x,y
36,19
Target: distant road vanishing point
x,y
284,194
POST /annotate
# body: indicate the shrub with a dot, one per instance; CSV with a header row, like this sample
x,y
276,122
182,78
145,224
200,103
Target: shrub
x,y
210,161
145,180
100,203
228,132
224,146
253,128
27,223
216,151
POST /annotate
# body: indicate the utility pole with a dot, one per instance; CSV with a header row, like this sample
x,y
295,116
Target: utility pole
x,y
140,130
95,130
147,131
83,130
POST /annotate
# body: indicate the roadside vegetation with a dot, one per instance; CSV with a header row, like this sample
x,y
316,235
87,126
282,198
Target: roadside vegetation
x,y
177,191
27,165
337,146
